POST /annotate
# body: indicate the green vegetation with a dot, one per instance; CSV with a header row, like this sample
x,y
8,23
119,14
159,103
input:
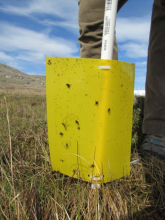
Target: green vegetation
x,y
29,189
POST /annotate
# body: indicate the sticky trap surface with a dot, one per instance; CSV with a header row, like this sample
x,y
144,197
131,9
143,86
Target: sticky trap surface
x,y
89,111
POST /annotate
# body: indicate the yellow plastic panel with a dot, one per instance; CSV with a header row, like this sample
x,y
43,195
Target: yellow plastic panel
x,y
89,114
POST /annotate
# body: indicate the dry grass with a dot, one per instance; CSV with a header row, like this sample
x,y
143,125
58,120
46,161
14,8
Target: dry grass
x,y
31,190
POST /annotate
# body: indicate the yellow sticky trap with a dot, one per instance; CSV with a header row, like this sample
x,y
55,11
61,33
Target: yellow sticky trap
x,y
89,110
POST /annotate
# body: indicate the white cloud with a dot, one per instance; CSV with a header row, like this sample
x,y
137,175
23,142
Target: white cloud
x,y
133,36
65,9
140,76
140,79
32,73
133,29
22,47
69,25
59,13
33,46
139,92
31,56
5,57
141,64
134,50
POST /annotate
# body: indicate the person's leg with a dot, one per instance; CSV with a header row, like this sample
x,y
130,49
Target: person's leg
x,y
91,17
154,117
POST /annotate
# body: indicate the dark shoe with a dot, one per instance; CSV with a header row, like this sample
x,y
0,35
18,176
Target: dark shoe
x,y
153,145
153,159
152,153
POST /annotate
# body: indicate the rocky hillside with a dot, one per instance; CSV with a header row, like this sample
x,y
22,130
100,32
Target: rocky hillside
x,y
11,78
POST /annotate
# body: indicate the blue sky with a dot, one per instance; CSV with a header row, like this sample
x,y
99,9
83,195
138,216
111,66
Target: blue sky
x,y
30,30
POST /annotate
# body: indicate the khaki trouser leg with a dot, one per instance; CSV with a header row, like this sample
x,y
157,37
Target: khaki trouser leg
x,y
154,118
91,16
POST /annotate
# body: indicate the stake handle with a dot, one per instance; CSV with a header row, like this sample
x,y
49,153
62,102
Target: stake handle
x,y
109,29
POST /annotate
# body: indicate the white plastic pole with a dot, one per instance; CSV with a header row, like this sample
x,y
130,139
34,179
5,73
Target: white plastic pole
x,y
109,29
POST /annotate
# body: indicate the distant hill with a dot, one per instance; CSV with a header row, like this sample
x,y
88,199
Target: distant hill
x,y
13,79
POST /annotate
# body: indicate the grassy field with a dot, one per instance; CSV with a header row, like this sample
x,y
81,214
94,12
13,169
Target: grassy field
x,y
31,190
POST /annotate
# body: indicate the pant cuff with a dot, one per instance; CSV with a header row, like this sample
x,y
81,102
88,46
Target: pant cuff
x,y
154,128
